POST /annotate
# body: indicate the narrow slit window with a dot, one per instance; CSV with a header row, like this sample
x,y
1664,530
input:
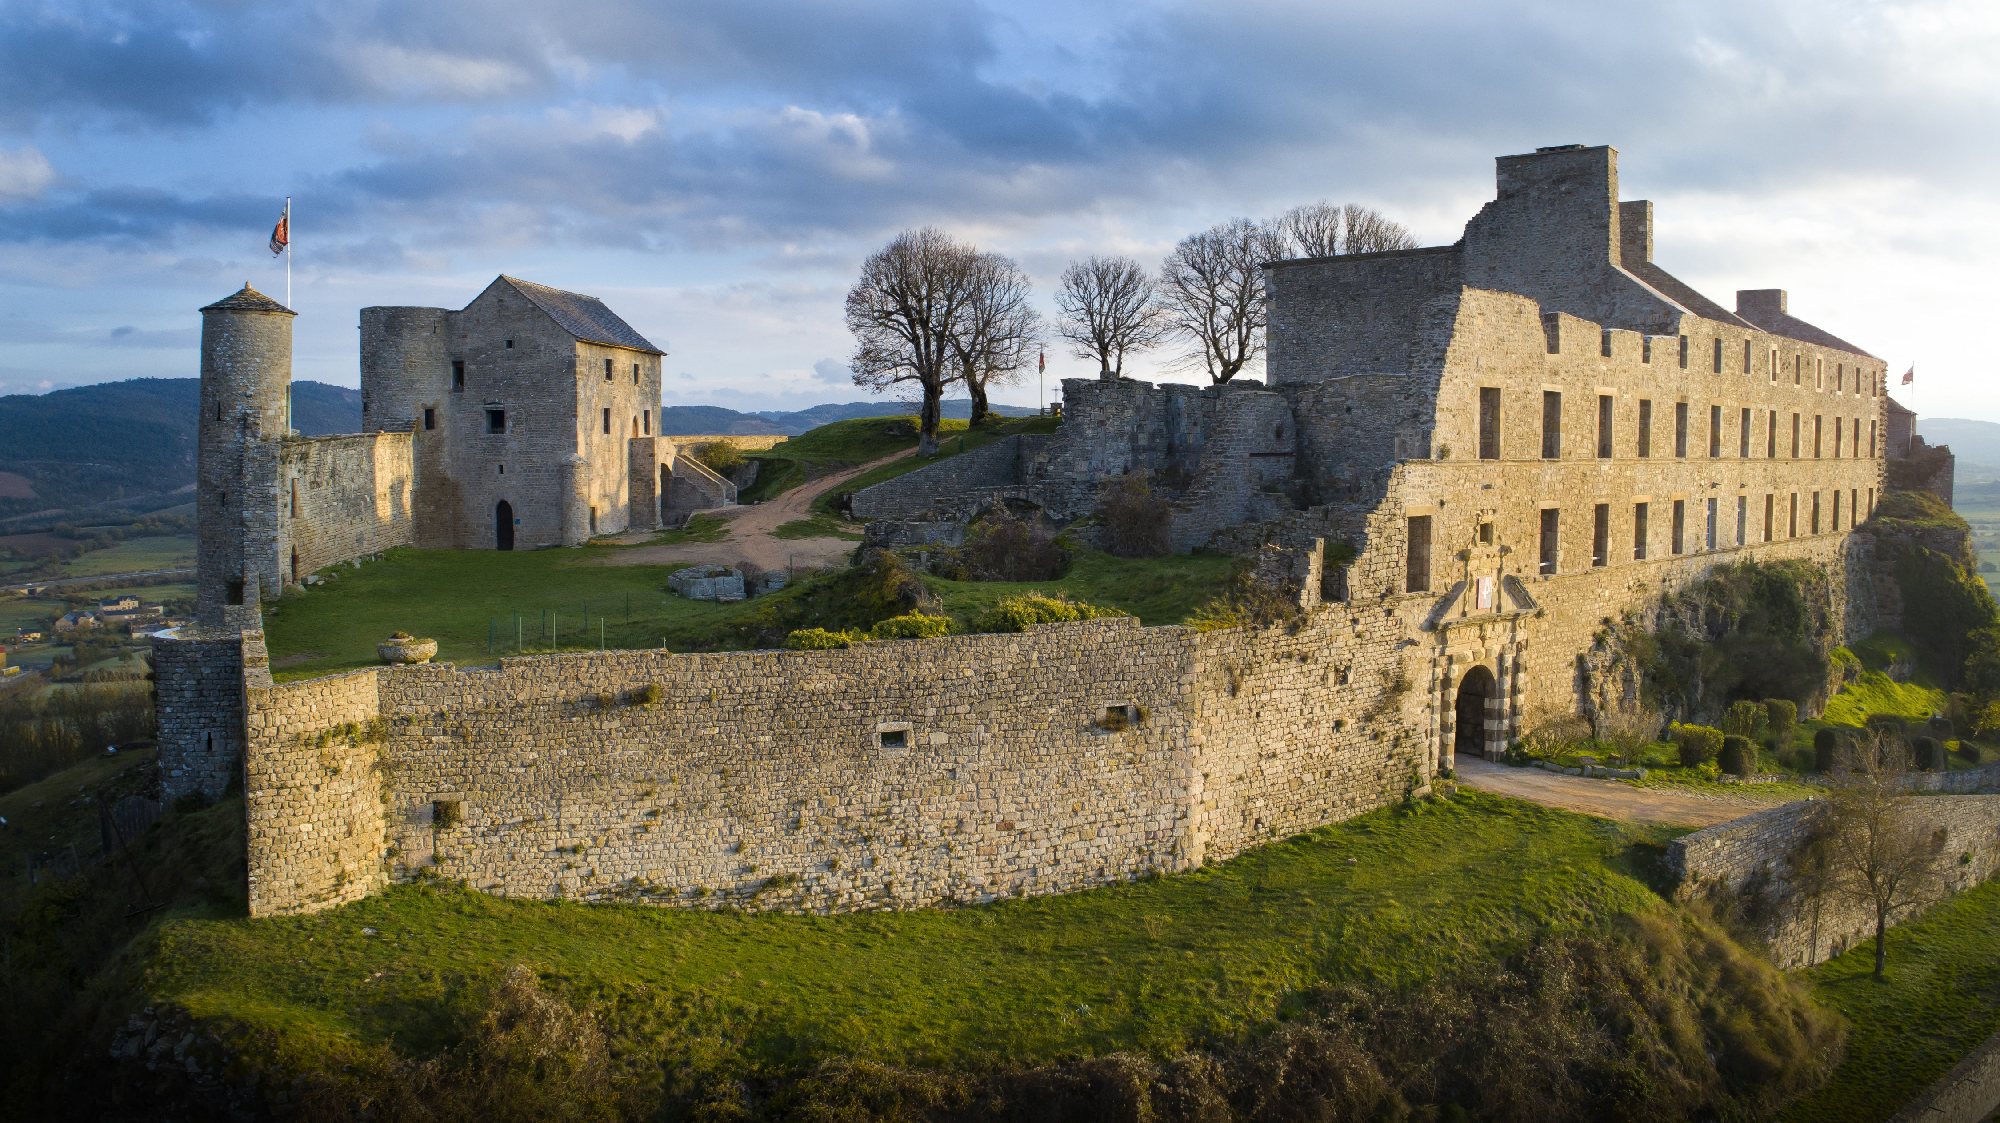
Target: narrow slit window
x,y
1771,435
1679,540
1645,441
607,370
1600,536
1792,525
1639,531
1743,434
1818,428
1681,430
1770,514
458,374
1742,517
1714,432
1605,407
1718,356
1795,436
607,419
1551,539
1552,420
1708,533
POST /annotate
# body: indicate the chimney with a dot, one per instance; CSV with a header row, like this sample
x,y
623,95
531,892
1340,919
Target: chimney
x,y
1635,232
1760,305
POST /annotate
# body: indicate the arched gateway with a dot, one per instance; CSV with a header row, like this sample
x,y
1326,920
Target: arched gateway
x,y
503,526
1475,700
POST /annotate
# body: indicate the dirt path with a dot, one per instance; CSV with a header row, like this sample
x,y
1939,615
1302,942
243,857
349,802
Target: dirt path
x,y
751,532
1608,798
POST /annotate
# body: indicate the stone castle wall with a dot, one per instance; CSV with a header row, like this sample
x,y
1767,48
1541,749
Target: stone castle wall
x,y
1753,859
343,497
313,792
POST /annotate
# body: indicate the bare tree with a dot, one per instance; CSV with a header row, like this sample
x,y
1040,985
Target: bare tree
x,y
1108,308
1326,229
1000,332
1312,230
1212,293
904,311
1370,231
1878,850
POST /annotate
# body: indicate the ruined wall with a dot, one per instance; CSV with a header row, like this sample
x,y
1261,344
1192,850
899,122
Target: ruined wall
x,y
951,484
1753,857
343,497
313,793
1365,314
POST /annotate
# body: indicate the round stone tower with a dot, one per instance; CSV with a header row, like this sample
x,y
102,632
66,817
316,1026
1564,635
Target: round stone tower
x,y
246,378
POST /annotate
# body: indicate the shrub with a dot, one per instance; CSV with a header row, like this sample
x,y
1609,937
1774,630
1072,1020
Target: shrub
x,y
1627,732
651,694
1782,714
1826,751
1698,744
1927,753
1137,523
1247,601
1966,750
1018,614
911,625
1745,719
819,639
1001,547
1888,724
718,456
1739,757
1555,736
1805,760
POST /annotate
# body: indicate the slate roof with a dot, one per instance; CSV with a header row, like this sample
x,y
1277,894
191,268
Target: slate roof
x,y
247,299
1682,293
1791,327
583,317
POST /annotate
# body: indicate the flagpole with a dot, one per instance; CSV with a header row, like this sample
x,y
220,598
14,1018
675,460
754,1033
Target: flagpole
x,y
288,251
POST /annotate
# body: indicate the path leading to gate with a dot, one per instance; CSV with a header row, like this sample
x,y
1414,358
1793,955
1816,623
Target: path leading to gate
x,y
752,530
1610,798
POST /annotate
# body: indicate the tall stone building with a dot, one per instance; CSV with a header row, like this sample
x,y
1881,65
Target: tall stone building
x,y
1505,441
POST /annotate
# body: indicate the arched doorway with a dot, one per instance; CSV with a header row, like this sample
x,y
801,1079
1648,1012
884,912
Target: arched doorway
x,y
1475,696
503,526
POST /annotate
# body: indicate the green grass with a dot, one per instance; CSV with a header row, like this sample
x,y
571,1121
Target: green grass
x,y
1687,780
699,528
1156,590
829,448
1876,693
819,526
21,612
456,596
1941,999
453,596
133,555
1391,898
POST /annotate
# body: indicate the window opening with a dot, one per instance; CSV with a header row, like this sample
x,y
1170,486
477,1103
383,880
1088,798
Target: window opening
x,y
1489,423
1742,516
458,374
1600,535
1645,443
607,419
430,418
893,737
1604,419
496,420
1551,531
1681,429
1743,434
1770,514
1552,420
1718,355
1638,532
1417,578
1679,540
1714,431
607,370
1708,538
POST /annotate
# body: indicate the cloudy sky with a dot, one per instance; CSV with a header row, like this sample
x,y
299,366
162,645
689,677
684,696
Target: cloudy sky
x,y
717,171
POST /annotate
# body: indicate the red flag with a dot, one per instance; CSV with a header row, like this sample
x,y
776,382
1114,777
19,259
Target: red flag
x,y
281,234
1041,362
1910,375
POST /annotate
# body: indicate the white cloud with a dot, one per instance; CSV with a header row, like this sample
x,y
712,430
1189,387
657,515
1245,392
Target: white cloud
x,y
24,174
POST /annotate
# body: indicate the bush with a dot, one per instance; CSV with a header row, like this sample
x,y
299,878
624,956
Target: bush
x,y
912,625
1018,614
718,456
1805,760
1826,751
1887,724
1137,523
1001,547
819,639
1927,753
1698,744
1782,715
1739,756
1745,719
1965,750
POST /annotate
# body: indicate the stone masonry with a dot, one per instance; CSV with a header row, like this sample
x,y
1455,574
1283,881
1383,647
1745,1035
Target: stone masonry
x,y
1467,461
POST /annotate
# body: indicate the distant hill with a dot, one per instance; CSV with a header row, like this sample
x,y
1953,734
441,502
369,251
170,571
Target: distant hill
x,y
1973,442
125,441
720,421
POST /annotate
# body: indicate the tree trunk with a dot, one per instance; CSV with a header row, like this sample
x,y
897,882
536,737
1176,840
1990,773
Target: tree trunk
x,y
1881,941
977,388
927,422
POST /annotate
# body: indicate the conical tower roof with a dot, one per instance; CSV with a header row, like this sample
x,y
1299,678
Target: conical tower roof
x,y
247,299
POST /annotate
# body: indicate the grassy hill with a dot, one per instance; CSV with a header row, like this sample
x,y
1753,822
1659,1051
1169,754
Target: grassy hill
x,y
125,440
1503,958
721,421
